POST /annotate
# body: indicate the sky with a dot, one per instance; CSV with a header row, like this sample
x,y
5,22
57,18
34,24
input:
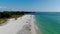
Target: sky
x,y
30,5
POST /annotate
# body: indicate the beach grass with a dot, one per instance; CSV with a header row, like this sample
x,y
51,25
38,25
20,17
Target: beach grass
x,y
3,21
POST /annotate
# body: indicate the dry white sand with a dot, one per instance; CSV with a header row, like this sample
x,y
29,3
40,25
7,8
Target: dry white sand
x,y
13,26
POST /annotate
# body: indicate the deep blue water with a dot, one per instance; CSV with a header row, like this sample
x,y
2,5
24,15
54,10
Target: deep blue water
x,y
48,22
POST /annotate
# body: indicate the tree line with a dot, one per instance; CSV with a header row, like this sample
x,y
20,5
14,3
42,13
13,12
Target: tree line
x,y
8,14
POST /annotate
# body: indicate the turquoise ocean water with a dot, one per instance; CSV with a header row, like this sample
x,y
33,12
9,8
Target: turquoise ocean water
x,y
48,22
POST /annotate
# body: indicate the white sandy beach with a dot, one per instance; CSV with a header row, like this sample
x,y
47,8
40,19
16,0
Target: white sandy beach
x,y
19,26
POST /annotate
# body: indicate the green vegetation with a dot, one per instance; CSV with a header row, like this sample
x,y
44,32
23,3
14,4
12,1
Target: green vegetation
x,y
7,14
11,14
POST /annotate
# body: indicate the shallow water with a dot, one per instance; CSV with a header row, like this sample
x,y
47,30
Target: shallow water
x,y
48,22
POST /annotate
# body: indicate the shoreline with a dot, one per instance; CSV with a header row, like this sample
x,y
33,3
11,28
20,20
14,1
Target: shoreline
x,y
33,25
16,26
